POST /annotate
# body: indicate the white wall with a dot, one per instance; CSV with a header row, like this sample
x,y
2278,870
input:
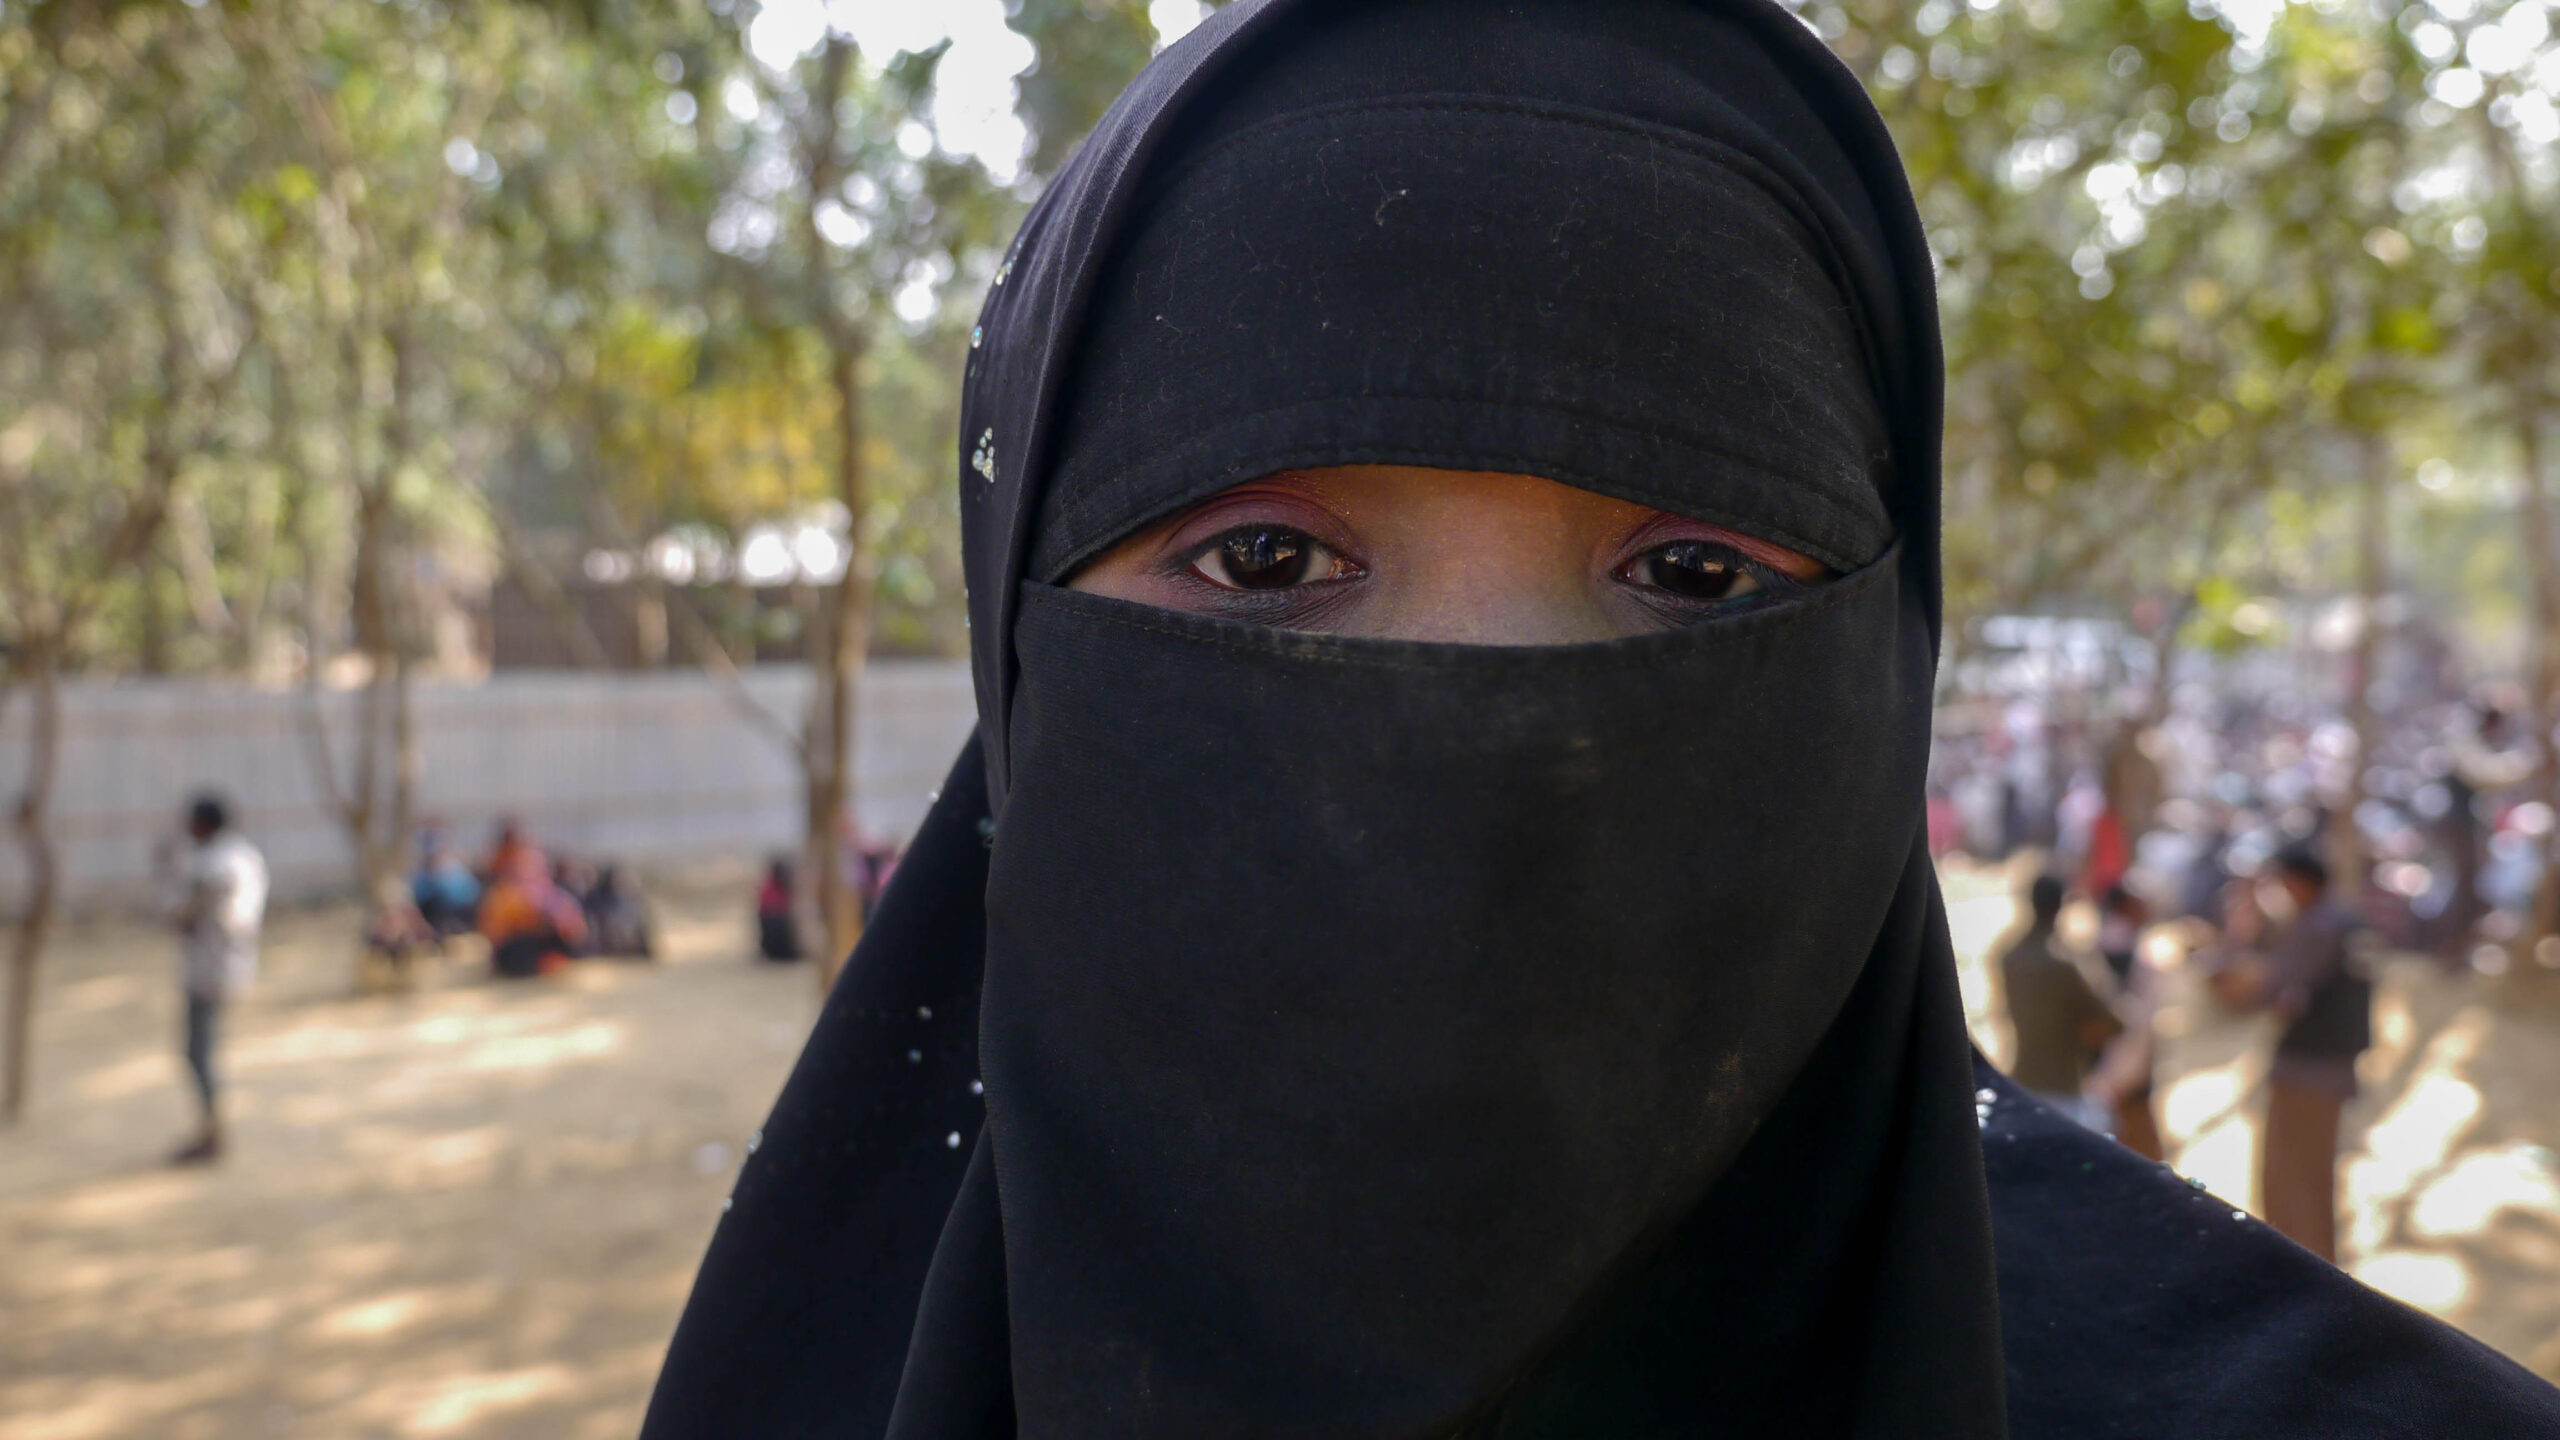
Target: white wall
x,y
654,768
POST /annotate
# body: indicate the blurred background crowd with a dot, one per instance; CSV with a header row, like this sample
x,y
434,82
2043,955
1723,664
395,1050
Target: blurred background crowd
x,y
423,420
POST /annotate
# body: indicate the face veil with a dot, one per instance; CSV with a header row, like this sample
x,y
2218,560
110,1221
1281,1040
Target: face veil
x,y
1384,1038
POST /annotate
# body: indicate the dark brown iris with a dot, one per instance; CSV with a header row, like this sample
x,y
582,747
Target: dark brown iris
x,y
1265,558
1694,570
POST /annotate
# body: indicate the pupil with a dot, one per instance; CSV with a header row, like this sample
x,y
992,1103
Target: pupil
x,y
1266,559
1694,570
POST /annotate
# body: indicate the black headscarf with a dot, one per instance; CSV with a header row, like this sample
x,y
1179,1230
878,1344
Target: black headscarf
x,y
1396,1039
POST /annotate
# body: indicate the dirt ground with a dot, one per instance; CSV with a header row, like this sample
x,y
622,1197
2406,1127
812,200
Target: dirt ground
x,y
474,1210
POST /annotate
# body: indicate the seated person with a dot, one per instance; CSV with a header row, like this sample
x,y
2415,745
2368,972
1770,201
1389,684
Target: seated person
x,y
396,930
445,892
508,844
532,925
777,912
618,916
575,878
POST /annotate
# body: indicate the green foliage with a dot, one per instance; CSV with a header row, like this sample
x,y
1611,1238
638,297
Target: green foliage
x,y
306,285
347,282
2187,262
1088,49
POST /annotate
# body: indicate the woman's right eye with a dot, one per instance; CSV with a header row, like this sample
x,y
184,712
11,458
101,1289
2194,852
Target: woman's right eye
x,y
1266,557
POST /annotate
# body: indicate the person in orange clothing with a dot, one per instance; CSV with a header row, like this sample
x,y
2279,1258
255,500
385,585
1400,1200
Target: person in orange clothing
x,y
531,924
507,847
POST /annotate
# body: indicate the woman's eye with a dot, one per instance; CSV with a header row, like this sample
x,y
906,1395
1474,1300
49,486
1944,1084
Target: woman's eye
x,y
1694,570
1265,557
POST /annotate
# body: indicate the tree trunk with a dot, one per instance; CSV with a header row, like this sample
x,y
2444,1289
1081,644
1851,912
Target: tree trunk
x,y
257,571
376,797
568,615
32,822
648,627
2542,567
191,544
2174,615
386,762
838,645
400,814
2348,856
153,656
2519,354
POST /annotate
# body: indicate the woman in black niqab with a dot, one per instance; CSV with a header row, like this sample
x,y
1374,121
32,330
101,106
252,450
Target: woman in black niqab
x,y
1275,1033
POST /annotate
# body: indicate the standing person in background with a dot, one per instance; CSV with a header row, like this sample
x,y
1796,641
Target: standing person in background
x,y
2209,873
2121,915
2060,1022
220,909
2129,782
2484,759
2298,955
2125,1071
1945,821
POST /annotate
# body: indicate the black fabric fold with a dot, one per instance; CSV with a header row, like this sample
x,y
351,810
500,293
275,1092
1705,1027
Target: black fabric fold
x,y
2140,1306
1832,1192
800,1320
958,1378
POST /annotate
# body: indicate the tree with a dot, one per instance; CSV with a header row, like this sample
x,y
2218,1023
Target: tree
x,y
122,373
382,126
1087,54
2200,273
730,378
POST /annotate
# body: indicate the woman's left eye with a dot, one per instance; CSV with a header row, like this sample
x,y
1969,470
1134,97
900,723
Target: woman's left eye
x,y
1695,570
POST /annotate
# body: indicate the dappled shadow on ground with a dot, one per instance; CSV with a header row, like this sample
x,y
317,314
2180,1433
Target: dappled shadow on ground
x,y
473,1210
2449,1188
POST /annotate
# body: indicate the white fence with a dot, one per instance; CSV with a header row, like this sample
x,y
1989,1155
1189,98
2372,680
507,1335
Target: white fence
x,y
646,767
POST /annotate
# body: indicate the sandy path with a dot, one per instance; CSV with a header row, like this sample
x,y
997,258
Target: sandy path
x,y
470,1211
474,1210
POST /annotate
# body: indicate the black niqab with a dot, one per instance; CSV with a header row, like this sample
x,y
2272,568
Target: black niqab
x,y
1387,1038
1382,1038
1467,975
